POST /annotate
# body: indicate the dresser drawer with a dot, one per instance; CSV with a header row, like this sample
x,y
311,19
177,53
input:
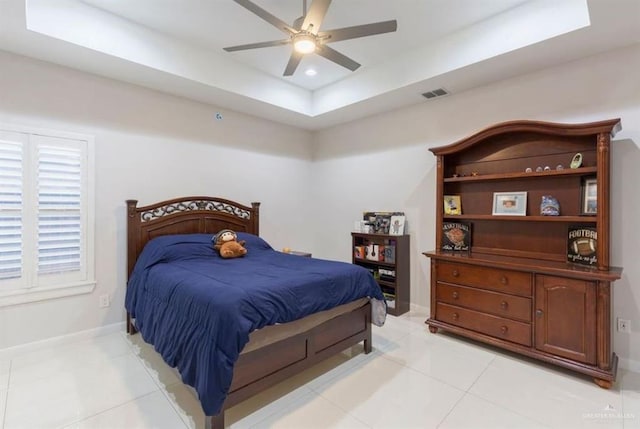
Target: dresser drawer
x,y
498,327
507,281
500,304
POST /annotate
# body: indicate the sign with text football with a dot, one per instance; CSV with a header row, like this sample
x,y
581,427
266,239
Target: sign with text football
x,y
582,242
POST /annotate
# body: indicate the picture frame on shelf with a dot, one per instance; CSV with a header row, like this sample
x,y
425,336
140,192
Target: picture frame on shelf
x,y
379,222
582,244
589,206
509,204
456,236
452,205
397,225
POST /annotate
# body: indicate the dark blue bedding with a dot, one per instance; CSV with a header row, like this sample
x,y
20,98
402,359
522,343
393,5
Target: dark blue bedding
x,y
198,309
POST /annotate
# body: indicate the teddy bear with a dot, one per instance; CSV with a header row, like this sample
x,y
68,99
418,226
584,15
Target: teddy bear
x,y
226,242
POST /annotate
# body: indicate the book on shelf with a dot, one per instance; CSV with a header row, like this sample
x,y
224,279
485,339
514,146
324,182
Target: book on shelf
x,y
456,236
387,275
390,253
389,296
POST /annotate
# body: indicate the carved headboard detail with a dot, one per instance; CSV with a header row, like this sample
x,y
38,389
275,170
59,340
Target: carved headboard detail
x,y
186,215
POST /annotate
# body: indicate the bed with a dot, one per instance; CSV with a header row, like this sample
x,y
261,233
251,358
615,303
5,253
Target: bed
x,y
262,347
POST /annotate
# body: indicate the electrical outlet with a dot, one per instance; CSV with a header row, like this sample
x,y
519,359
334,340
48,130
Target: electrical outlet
x,y
624,325
104,301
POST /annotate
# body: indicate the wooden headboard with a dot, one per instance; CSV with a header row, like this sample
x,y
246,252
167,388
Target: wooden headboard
x,y
185,215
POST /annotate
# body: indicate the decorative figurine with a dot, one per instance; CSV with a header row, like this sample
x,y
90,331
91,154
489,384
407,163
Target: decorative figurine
x,y
549,206
528,170
538,170
576,161
559,167
547,168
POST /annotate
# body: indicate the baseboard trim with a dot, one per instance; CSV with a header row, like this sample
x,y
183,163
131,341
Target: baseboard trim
x,y
10,352
629,364
419,309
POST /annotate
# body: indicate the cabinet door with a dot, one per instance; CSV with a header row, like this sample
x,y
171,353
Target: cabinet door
x,y
565,320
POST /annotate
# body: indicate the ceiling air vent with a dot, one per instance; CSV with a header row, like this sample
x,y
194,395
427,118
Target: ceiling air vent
x,y
435,93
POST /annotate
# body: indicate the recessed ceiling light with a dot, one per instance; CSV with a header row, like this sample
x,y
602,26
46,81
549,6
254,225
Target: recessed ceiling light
x,y
310,72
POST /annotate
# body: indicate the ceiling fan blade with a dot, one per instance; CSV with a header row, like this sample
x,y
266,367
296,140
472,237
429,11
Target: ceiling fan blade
x,y
315,16
258,45
292,65
337,57
271,19
359,31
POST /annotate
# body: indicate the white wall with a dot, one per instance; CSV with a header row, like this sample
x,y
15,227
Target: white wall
x,y
383,163
150,146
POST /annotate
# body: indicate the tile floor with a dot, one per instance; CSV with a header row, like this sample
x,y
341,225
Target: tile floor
x,y
413,379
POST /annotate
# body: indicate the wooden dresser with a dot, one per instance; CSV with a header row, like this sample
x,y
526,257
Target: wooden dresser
x,y
515,288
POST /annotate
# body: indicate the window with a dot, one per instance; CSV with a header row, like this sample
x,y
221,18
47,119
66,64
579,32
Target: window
x,y
46,214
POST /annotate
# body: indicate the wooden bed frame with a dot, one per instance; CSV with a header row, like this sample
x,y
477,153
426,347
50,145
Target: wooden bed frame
x,y
262,368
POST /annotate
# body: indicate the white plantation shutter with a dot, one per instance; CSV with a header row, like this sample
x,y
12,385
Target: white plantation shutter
x,y
46,214
60,214
10,209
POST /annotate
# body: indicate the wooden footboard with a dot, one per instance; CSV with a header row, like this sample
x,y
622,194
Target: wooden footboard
x,y
262,368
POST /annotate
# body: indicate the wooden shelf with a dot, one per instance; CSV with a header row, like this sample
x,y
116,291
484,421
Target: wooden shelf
x,y
386,283
369,261
533,265
576,219
401,266
583,171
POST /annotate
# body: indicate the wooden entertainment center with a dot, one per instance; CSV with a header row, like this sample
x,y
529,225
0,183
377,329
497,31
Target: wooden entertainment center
x,y
514,288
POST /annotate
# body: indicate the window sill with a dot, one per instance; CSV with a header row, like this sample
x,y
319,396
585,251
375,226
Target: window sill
x,y
23,296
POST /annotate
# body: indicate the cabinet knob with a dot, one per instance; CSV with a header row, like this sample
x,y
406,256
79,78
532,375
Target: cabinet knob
x,y
455,295
455,273
504,280
504,305
504,329
539,312
456,316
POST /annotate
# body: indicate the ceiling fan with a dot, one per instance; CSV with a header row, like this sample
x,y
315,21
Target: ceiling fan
x,y
306,37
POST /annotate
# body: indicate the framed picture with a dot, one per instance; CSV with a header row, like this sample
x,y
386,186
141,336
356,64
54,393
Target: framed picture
x,y
582,244
452,205
397,225
590,196
509,204
456,236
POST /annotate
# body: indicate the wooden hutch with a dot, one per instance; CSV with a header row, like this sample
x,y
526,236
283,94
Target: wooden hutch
x,y
515,288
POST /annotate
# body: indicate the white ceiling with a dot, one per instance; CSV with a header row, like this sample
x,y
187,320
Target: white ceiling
x,y
176,46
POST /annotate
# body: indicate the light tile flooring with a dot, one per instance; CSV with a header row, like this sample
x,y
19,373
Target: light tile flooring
x,y
413,379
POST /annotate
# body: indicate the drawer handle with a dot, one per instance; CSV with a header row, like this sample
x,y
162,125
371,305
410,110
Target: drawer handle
x,y
455,273
539,312
504,305
455,295
504,329
456,316
504,280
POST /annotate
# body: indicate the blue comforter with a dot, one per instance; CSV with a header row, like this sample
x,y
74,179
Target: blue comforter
x,y
198,309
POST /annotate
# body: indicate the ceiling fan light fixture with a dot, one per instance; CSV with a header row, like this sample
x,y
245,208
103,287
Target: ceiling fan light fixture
x,y
304,43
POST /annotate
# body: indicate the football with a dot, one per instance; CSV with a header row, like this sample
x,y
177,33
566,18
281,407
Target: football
x,y
584,246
